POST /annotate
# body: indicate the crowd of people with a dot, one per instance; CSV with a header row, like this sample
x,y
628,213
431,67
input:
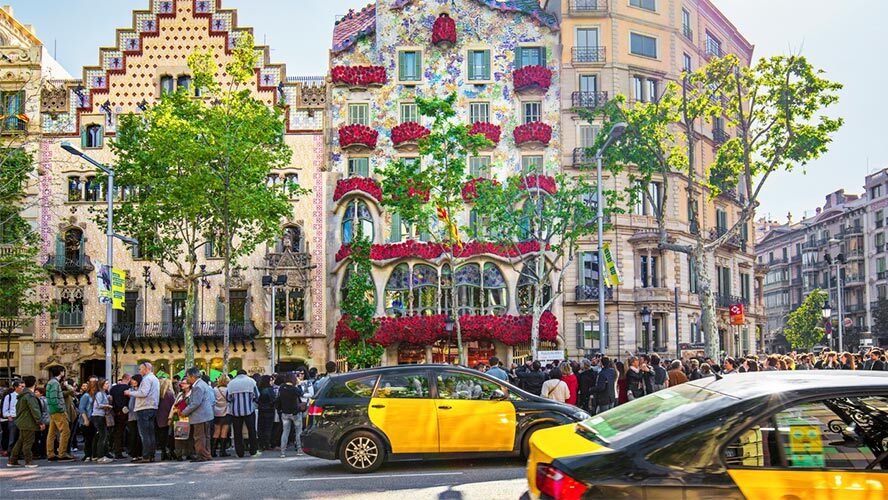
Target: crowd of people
x,y
141,416
598,383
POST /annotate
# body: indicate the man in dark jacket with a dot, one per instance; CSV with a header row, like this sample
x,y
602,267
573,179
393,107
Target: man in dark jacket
x,y
200,414
290,406
532,381
875,361
27,420
605,386
118,402
586,384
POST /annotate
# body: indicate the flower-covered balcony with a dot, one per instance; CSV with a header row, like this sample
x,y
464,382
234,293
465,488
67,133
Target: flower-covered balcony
x,y
357,137
470,189
532,135
532,79
433,251
365,185
406,136
358,77
490,131
444,31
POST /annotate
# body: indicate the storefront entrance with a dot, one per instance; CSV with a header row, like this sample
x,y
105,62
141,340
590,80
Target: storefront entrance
x,y
478,351
92,367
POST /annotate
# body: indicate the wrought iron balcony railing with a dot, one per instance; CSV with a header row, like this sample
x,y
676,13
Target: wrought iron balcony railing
x,y
719,136
687,32
588,100
587,7
208,330
63,264
583,157
590,292
586,55
725,301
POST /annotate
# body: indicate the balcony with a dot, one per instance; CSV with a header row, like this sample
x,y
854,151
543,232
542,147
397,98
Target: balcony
x,y
855,254
811,245
586,293
712,49
582,157
687,32
587,55
725,301
587,8
69,265
13,125
777,262
357,137
853,280
207,330
406,136
851,231
70,319
881,275
796,282
588,100
853,308
733,241
719,136
878,247
796,258
532,79
7,249
532,135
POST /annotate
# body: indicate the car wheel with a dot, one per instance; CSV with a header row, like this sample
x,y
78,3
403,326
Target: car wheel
x,y
525,441
362,452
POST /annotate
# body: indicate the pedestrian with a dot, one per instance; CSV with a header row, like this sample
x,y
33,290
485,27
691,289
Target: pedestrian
x,y
9,402
568,377
57,391
695,370
496,369
532,380
875,362
330,366
101,404
39,447
622,383
182,442
119,401
242,397
266,412
222,419
200,414
604,391
676,374
86,409
634,379
846,362
555,388
586,381
660,378
134,442
730,366
291,407
147,398
162,421
27,421
706,371
73,416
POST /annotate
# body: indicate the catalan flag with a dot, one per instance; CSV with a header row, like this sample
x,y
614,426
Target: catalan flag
x,y
452,230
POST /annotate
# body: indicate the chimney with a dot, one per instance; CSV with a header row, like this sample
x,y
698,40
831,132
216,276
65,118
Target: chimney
x,y
8,10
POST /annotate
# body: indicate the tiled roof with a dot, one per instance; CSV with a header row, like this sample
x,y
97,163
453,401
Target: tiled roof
x,y
354,26
529,7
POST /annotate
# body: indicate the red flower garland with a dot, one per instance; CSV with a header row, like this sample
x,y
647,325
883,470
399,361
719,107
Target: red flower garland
x,y
444,31
432,251
357,134
362,76
532,76
408,131
544,182
425,330
533,131
365,184
489,130
470,189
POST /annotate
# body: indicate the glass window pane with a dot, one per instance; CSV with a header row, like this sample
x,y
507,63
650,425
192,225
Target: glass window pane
x,y
409,112
453,385
406,385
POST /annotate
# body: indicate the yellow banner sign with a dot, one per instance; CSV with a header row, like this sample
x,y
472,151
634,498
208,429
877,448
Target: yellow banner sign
x,y
611,274
118,288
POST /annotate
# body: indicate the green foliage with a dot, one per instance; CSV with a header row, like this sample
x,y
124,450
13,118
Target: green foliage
x,y
359,306
804,325
880,320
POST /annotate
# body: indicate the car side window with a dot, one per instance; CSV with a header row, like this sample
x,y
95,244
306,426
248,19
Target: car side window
x,y
355,388
403,385
839,433
455,385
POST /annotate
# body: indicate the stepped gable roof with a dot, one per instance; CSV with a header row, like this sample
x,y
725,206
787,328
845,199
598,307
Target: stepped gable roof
x,y
354,26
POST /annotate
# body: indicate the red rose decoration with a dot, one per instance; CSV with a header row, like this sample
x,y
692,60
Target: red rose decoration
x,y
432,251
364,184
358,76
470,189
408,132
532,77
488,130
358,135
533,132
543,182
444,31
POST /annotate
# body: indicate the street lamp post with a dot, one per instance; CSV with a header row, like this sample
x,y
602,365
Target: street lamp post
x,y
646,320
110,234
615,132
837,262
269,281
827,312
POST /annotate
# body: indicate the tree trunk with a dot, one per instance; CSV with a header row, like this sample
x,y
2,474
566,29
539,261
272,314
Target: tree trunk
x,y
8,356
189,323
538,292
226,307
463,360
707,304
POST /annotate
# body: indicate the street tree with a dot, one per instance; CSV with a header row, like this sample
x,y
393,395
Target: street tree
x,y
804,326
776,108
20,272
242,141
358,307
880,321
428,196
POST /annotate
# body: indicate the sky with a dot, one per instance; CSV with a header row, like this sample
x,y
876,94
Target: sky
x,y
842,37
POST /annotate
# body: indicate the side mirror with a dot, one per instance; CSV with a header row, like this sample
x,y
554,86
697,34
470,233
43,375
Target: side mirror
x,y
499,395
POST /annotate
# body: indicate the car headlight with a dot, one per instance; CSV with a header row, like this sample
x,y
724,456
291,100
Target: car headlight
x,y
580,415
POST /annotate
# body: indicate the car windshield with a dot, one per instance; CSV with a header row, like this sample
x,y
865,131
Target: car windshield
x,y
666,407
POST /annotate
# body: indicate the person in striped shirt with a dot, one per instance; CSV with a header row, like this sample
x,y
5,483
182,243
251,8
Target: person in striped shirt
x,y
242,397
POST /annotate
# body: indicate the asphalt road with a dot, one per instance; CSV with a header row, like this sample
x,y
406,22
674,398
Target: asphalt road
x,y
266,477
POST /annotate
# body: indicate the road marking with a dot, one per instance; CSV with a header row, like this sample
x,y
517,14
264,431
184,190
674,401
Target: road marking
x,y
372,477
26,490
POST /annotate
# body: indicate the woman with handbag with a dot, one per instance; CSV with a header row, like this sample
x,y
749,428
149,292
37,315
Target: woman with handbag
x,y
86,409
221,419
101,405
634,379
162,420
134,442
179,423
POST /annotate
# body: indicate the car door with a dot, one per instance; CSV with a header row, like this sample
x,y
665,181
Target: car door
x,y
827,448
403,408
471,415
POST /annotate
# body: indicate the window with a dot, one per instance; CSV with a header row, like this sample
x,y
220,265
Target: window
x,y
167,86
273,181
589,337
238,307
876,192
177,307
724,280
744,287
357,215
409,112
650,5
880,265
476,225
652,93
827,434
649,272
692,273
785,253
183,82
70,312
686,63
686,24
479,112
481,294
588,84
479,65
403,385
642,45
533,111
527,287
638,88
13,109
359,114
696,334
354,388
587,49
649,203
530,56
587,135
531,164
454,385
721,220
343,287
291,182
289,305
409,66
292,240
424,290
91,136
210,249
713,45
93,189
75,188
479,166
880,241
399,229
359,166
589,272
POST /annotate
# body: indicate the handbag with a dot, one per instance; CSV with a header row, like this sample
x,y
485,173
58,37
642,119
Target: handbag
x,y
181,429
109,419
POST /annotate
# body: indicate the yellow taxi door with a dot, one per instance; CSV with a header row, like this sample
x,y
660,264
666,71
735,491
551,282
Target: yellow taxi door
x,y
470,417
811,484
405,411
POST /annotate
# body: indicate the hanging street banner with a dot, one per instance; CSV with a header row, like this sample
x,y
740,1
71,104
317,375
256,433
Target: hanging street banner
x,y
111,284
103,283
738,315
611,273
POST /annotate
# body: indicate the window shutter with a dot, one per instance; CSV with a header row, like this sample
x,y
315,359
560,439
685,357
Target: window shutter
x,y
140,311
396,228
402,73
166,312
248,308
60,252
581,344
83,136
519,61
487,65
100,137
417,65
542,56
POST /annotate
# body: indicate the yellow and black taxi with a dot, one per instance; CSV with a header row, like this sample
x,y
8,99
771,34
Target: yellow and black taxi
x,y
765,435
366,417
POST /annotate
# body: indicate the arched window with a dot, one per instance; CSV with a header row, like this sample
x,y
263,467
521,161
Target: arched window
x,y
292,239
166,85
397,291
527,282
468,289
357,214
93,189
425,290
291,182
91,136
496,298
183,82
446,290
73,241
533,211
75,188
343,287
